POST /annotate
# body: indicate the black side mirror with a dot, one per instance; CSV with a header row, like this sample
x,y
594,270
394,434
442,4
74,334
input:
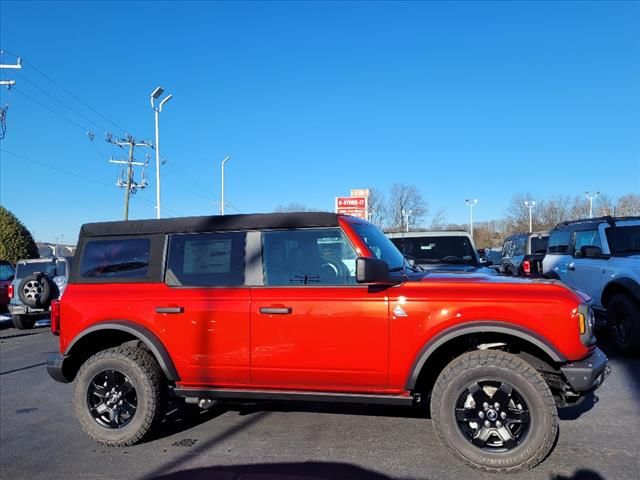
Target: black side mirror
x,y
372,270
590,251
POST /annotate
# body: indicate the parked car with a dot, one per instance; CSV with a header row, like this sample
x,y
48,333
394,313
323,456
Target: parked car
x,y
601,256
442,251
7,272
36,284
522,254
315,306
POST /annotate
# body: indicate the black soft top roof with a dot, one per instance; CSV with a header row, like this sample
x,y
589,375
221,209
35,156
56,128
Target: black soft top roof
x,y
255,221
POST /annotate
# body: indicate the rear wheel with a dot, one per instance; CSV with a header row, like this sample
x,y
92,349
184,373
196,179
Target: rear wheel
x,y
623,320
23,322
118,395
494,411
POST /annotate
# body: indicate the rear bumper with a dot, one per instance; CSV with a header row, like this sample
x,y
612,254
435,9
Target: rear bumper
x,y
587,374
55,363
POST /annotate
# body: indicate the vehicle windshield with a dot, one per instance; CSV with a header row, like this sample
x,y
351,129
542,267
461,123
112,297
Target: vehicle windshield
x,y
6,272
441,249
26,269
624,240
380,245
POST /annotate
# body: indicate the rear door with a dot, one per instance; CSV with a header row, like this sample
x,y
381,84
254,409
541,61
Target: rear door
x,y
312,326
202,308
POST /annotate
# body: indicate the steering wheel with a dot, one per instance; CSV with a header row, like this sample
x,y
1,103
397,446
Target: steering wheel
x,y
336,267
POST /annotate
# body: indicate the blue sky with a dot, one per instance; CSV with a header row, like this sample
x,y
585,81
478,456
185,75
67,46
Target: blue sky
x,y
462,100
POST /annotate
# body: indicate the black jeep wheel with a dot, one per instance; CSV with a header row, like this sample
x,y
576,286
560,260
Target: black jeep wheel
x,y
23,322
35,291
118,395
623,320
494,411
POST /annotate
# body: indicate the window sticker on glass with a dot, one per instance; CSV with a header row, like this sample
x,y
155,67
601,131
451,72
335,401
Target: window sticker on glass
x,y
208,256
429,246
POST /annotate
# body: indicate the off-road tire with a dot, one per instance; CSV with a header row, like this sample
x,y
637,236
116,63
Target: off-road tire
x,y
143,372
498,366
621,304
23,322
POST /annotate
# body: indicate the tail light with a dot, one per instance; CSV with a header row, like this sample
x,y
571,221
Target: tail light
x,y
526,266
10,291
55,317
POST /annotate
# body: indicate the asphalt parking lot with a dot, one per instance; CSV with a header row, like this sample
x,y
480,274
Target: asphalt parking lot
x,y
40,437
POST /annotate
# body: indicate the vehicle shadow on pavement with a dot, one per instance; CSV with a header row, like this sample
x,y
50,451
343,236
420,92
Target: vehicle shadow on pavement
x,y
631,365
273,471
574,412
337,408
180,417
580,475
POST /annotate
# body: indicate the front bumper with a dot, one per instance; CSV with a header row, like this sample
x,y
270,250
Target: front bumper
x,y
587,374
55,363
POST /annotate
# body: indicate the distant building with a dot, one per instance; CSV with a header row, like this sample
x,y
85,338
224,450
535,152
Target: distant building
x,y
48,250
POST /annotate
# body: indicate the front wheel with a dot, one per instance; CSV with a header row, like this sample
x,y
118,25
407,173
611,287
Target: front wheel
x,y
494,411
623,319
118,395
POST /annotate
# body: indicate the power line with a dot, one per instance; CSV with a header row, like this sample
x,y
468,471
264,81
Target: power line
x,y
51,109
61,170
25,62
61,102
187,179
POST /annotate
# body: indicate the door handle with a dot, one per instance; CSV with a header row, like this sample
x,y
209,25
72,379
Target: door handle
x,y
571,266
169,309
276,310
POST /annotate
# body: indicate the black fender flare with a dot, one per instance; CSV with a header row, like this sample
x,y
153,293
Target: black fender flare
x,y
478,327
150,340
624,283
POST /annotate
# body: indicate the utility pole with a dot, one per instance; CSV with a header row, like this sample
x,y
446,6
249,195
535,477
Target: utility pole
x,y
530,204
591,196
471,204
130,186
15,66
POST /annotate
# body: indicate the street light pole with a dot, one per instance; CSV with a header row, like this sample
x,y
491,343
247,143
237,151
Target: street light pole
x,y
471,204
530,204
222,187
591,196
154,96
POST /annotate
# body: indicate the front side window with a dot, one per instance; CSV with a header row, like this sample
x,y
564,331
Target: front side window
x,y
586,238
307,257
117,258
206,259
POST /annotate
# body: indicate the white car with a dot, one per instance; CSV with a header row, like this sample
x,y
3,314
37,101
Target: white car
x,y
601,256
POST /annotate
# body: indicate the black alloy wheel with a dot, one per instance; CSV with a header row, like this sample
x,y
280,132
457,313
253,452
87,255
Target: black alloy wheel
x,y
112,399
492,416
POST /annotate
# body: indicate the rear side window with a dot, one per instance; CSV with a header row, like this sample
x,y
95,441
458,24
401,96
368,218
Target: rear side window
x,y
559,242
206,260
117,258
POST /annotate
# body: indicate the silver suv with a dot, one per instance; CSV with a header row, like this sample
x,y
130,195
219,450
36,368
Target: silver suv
x,y
37,282
601,256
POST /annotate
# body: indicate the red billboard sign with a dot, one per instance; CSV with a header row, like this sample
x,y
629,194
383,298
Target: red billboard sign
x,y
355,206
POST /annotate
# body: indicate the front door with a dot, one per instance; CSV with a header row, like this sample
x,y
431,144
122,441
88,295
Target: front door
x,y
312,326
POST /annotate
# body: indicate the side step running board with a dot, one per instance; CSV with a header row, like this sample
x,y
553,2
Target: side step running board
x,y
217,393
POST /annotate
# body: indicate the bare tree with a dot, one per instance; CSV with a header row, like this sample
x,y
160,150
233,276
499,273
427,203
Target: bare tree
x,y
293,207
407,199
603,205
438,220
518,213
377,207
628,205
